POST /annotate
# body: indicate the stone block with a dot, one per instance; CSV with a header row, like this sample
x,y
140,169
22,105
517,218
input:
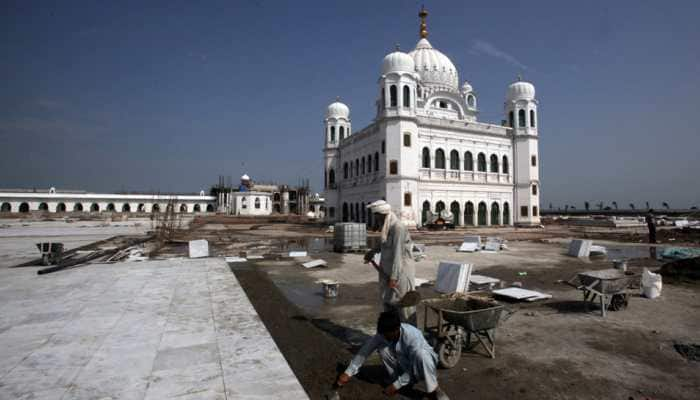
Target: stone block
x,y
199,248
580,248
453,277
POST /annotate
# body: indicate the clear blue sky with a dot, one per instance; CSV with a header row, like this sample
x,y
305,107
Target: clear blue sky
x,y
168,95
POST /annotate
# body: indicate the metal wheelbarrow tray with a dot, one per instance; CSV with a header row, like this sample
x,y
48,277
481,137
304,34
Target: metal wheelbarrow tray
x,y
458,318
610,285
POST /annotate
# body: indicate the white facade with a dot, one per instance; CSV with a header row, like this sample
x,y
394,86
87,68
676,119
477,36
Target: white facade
x,y
55,201
251,203
425,150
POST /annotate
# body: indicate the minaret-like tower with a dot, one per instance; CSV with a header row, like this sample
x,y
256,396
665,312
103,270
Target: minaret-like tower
x,y
336,128
521,114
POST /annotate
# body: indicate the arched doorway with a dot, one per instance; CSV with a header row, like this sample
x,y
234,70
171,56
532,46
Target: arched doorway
x,y
61,207
454,208
24,208
424,213
197,208
506,214
43,207
141,207
482,214
183,208
94,207
210,208
345,212
155,208
6,207
469,214
78,207
126,207
110,207
495,214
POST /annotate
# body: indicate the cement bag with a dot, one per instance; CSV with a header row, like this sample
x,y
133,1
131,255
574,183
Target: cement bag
x,y
651,284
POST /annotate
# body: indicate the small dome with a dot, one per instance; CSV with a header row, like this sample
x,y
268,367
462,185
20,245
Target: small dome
x,y
397,61
245,177
467,88
434,67
521,90
338,110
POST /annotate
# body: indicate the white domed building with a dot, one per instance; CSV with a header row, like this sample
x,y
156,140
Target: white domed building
x,y
426,151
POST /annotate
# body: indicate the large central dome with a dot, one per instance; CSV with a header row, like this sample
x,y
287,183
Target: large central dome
x,y
435,68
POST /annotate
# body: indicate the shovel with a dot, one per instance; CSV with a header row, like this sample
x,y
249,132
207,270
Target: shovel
x,y
333,393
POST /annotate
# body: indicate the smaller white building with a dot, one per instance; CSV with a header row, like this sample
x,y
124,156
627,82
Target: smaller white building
x,y
251,203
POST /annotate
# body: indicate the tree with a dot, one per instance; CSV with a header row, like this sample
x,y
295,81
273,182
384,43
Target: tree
x,y
587,205
665,205
614,203
632,206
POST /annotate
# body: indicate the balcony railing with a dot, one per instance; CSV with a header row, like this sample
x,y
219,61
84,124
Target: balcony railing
x,y
432,174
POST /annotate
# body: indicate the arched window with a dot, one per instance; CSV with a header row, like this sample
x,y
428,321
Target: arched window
x,y
534,190
407,201
369,163
532,118
155,208
494,163
257,202
534,211
345,175
183,208
426,210
61,207
481,162
127,208
331,177
6,207
439,206
406,96
210,208
426,158
342,133
468,161
510,119
24,208
521,118
197,208
470,101
43,207
392,96
439,159
454,208
363,165
505,166
495,214
506,214
78,207
332,134
454,160
469,213
482,214
357,167
376,161
110,207
95,207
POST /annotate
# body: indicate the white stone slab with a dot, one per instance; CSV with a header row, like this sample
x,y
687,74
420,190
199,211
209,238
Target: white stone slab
x,y
420,281
468,247
298,254
453,277
580,248
199,248
482,280
492,246
315,263
521,294
473,239
255,257
598,250
235,259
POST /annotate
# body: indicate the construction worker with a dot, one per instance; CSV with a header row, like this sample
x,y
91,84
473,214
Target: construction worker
x,y
396,268
406,355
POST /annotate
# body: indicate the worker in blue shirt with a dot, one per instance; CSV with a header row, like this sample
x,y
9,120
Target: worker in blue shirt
x,y
406,355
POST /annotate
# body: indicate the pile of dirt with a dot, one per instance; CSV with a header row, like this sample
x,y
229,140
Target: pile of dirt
x,y
315,357
686,269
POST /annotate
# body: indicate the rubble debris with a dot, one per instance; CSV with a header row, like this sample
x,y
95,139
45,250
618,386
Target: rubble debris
x,y
315,263
520,294
688,268
199,248
689,351
580,248
453,277
51,253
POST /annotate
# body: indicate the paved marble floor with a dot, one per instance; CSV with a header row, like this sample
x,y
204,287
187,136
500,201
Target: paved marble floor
x,y
168,329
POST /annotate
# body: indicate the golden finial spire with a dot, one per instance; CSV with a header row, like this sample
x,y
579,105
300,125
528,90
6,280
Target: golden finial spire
x,y
423,27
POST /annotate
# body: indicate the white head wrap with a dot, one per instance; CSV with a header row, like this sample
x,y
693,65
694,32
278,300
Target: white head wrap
x,y
382,207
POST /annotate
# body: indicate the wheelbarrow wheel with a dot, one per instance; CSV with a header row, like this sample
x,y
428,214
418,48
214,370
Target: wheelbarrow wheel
x,y
618,302
449,351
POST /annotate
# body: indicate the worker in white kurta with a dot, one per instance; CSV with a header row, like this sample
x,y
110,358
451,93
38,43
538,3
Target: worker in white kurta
x,y
406,355
396,267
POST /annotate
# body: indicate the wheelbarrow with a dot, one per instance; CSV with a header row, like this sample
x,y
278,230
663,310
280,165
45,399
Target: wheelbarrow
x,y
610,286
459,317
